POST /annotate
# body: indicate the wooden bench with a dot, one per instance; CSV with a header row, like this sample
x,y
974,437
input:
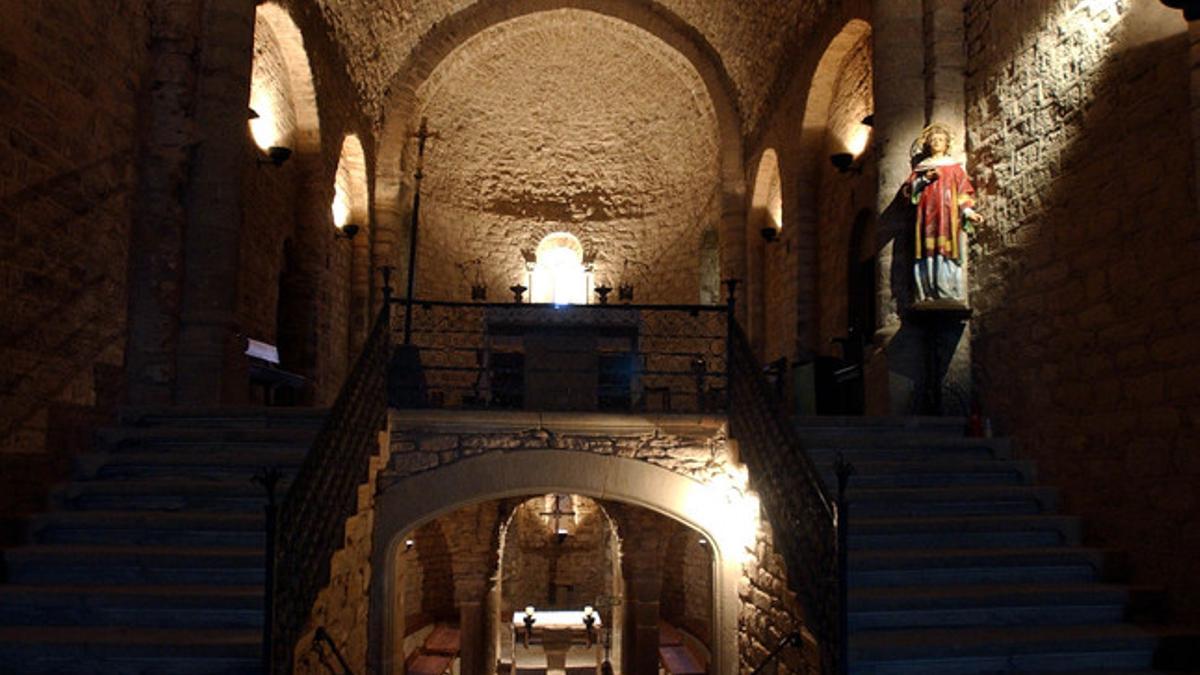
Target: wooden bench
x,y
437,653
679,660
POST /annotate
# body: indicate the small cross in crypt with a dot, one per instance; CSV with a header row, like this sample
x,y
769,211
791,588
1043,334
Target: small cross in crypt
x,y
558,512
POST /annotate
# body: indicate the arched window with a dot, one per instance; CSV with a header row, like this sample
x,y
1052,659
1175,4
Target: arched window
x,y
559,275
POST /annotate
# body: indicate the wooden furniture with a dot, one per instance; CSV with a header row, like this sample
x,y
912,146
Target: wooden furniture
x,y
436,654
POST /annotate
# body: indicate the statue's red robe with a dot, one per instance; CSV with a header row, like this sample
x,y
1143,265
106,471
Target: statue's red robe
x,y
940,208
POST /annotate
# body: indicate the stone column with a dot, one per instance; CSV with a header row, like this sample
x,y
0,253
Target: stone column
x,y
894,369
1194,37
313,241
733,247
156,238
210,362
644,540
470,594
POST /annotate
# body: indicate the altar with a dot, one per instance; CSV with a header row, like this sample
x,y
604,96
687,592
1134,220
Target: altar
x,y
557,632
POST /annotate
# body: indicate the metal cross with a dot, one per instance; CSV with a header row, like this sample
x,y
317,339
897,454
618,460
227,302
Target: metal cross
x,y
558,513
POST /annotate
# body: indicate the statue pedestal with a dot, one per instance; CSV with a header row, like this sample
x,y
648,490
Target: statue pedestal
x,y
942,323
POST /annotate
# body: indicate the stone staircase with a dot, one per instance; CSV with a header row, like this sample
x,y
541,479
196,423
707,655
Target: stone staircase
x,y
959,562
151,559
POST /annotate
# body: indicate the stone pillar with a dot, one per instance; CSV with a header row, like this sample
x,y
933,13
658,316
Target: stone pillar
x,y
314,241
470,594
733,247
644,540
894,369
210,362
156,238
1194,37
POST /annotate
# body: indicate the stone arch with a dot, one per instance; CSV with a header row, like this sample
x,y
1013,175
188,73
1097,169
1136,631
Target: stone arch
x,y
453,31
766,212
275,30
414,500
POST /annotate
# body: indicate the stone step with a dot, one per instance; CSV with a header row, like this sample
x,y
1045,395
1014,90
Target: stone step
x,y
922,567
885,474
151,528
965,501
138,606
1006,531
186,465
224,418
171,439
119,650
240,495
933,651
138,565
992,605
960,449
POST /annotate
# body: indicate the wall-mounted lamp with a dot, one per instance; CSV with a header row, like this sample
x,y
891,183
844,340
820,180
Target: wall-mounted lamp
x,y
529,620
408,544
869,120
769,233
253,114
561,535
844,163
347,231
276,155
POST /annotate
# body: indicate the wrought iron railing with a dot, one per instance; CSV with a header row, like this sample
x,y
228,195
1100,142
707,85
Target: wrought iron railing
x,y
324,494
666,358
798,507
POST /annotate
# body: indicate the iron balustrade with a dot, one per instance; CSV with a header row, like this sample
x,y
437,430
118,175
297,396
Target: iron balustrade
x,y
313,514
694,358
666,358
793,496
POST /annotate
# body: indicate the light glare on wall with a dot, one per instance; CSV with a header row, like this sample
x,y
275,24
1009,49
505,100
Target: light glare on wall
x,y
728,503
264,128
340,207
858,140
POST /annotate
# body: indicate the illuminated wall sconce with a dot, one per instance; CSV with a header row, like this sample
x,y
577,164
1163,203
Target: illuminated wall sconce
x,y
529,620
253,114
408,544
602,292
561,535
869,120
276,155
769,233
347,231
844,163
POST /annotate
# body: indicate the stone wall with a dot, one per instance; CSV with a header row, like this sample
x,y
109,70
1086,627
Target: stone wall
x,y
770,612
341,607
687,583
842,196
619,148
1085,274
767,612
69,86
582,561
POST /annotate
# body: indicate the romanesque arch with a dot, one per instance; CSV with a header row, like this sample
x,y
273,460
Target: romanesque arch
x,y
283,77
449,34
408,503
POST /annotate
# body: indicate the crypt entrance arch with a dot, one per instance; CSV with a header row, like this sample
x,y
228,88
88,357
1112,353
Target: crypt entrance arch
x,y
403,109
418,499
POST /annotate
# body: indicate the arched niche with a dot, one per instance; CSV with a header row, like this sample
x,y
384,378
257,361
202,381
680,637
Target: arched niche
x,y
281,85
393,195
350,185
410,502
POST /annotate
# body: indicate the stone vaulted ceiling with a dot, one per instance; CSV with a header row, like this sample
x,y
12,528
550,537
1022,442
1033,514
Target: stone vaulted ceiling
x,y
752,37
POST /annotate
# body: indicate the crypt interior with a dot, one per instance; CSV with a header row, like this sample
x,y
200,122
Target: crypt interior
x,y
600,336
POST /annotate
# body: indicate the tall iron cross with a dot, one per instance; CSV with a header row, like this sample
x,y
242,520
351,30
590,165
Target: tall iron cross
x,y
558,513
422,135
